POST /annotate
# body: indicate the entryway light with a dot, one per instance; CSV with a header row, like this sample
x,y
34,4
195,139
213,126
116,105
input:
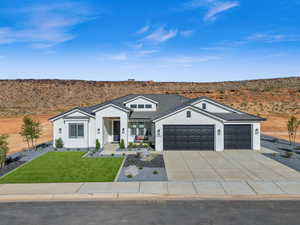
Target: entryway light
x,y
219,131
123,130
98,130
256,131
158,132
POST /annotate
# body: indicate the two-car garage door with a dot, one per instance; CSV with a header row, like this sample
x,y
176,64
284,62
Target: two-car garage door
x,y
201,137
188,137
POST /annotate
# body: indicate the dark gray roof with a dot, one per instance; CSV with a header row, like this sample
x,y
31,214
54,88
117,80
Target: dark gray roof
x,y
238,117
168,103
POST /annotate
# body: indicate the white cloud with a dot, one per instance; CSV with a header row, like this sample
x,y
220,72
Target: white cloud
x,y
122,56
270,37
46,25
143,29
218,8
161,35
186,33
214,7
147,52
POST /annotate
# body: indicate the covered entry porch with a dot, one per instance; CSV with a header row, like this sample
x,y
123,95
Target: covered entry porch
x,y
111,130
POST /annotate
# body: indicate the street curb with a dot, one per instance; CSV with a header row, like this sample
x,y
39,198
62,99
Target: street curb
x,y
139,197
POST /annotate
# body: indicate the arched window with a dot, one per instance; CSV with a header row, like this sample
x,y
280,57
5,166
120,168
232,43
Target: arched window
x,y
188,114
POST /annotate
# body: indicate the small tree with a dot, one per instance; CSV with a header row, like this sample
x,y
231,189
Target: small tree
x,y
59,143
31,131
97,145
292,126
3,149
122,144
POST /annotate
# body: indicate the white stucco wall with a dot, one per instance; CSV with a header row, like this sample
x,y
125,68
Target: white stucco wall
x,y
141,101
212,107
195,119
89,136
112,111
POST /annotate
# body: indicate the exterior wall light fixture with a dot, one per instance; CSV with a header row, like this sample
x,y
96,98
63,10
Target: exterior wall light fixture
x,y
123,130
256,131
219,132
98,130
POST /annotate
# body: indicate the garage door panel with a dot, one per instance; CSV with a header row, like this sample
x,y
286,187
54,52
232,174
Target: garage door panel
x,y
237,136
188,137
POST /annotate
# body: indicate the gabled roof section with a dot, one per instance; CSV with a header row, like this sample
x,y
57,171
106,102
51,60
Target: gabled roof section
x,y
82,110
143,97
218,104
118,106
235,115
187,106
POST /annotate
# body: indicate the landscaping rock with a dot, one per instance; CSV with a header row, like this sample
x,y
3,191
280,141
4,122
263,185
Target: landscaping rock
x,y
131,171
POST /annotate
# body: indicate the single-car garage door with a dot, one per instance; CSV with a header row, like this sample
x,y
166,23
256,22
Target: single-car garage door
x,y
237,136
188,137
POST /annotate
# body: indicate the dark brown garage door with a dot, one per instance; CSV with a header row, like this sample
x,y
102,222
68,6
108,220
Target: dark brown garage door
x,y
188,137
237,136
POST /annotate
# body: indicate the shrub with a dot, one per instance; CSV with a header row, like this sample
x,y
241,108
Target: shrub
x,y
274,154
129,176
140,168
123,154
59,143
97,145
112,154
155,172
122,144
288,154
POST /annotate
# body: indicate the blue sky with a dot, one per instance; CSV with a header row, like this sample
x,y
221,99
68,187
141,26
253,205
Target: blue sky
x,y
169,40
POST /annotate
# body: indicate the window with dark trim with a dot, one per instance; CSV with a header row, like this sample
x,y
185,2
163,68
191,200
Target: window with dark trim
x,y
188,114
141,106
76,130
133,106
133,131
203,105
148,106
141,132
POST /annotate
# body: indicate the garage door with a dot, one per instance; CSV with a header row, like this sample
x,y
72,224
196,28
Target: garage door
x,y
237,136
188,137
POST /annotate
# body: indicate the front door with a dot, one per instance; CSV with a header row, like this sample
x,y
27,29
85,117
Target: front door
x,y
116,130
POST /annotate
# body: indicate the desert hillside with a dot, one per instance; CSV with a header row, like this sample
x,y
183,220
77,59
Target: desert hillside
x,y
275,99
270,96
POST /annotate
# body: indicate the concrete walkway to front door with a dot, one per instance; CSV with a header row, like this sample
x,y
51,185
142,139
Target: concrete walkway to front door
x,y
237,165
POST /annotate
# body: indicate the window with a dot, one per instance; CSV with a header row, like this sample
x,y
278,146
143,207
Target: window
x,y
133,131
188,114
140,106
203,105
133,106
141,132
76,130
148,106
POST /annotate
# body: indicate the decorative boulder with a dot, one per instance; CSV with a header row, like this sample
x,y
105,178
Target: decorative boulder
x,y
131,170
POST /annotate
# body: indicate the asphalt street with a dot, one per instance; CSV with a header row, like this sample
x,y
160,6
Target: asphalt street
x,y
151,212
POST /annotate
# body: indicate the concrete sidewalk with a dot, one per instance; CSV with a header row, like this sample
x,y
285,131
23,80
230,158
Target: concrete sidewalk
x,y
153,190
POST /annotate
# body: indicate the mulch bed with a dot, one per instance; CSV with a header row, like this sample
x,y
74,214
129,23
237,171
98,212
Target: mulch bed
x,y
157,162
10,167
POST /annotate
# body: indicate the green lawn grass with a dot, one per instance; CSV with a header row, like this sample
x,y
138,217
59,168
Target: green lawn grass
x,y
55,167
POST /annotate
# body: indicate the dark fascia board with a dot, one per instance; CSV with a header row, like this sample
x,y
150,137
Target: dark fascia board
x,y
69,111
108,105
206,113
141,96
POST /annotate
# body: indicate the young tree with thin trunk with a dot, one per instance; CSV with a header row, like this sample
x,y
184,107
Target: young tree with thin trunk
x,y
3,149
292,126
31,130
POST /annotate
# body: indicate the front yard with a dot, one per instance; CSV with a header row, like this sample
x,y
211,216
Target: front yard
x,y
56,167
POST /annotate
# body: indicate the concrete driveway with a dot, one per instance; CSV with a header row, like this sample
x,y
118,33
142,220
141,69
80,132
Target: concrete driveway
x,y
225,166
